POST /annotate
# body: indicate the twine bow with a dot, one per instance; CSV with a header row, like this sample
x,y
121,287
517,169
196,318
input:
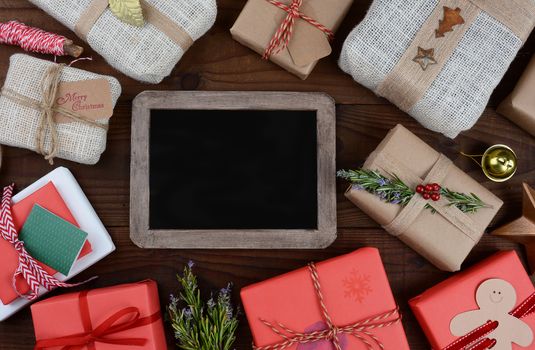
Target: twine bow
x,y
478,340
28,267
284,33
361,330
113,325
48,108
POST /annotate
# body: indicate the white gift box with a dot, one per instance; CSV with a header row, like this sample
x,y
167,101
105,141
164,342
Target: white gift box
x,y
85,216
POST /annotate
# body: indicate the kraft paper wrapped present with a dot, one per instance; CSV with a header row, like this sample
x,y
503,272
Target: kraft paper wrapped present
x,y
519,106
82,213
349,293
121,317
437,60
446,237
56,110
147,53
261,20
490,304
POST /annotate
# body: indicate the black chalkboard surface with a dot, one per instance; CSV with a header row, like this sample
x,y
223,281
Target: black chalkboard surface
x,y
233,169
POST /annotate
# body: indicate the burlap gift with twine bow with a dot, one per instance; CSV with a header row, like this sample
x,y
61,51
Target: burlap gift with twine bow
x,y
148,53
467,61
27,109
446,237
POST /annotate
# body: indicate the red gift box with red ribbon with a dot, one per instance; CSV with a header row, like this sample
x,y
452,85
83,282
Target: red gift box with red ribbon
x,y
344,303
115,318
489,306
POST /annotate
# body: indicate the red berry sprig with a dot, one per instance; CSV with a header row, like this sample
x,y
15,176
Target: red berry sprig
x,y
429,191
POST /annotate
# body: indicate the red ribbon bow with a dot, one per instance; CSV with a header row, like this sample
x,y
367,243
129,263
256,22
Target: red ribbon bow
x,y
361,330
101,333
477,339
282,37
28,267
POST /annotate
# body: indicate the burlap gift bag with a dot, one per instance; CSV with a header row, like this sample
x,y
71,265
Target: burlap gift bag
x,y
26,101
466,47
148,53
444,237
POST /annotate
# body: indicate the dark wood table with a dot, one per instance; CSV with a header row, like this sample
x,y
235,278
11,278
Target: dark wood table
x,y
216,62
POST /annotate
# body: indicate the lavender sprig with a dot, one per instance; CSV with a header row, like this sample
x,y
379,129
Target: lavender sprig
x,y
198,326
397,192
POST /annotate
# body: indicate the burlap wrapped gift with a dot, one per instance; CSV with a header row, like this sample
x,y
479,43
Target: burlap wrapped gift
x,y
23,117
446,237
449,96
148,53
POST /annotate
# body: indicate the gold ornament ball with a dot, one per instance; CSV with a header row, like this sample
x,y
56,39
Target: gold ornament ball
x,y
499,163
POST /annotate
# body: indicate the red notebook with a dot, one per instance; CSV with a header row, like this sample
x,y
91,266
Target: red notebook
x,y
49,198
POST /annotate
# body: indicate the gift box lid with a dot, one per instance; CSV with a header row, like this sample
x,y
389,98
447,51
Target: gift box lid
x,y
49,198
84,215
354,286
61,316
438,306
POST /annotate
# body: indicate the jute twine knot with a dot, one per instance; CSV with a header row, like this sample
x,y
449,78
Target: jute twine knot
x,y
48,108
361,330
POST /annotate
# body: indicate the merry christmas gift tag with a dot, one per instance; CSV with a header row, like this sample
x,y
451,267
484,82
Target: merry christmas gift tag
x,y
52,240
91,99
496,299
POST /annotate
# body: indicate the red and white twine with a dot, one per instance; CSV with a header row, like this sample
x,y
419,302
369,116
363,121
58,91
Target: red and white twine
x,y
28,267
361,330
282,37
31,39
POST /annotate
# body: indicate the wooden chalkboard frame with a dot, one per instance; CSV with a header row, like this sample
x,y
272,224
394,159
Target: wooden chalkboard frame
x,y
144,237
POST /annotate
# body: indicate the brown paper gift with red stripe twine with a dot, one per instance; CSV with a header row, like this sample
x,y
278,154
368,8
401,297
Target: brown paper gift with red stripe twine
x,y
446,237
295,34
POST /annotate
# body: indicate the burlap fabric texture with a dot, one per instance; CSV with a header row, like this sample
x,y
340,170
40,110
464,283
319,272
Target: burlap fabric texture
x,y
20,125
449,96
144,53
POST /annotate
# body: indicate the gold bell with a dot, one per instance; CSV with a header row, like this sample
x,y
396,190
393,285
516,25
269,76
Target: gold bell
x,y
499,162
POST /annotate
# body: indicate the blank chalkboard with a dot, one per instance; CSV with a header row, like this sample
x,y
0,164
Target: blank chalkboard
x,y
213,169
233,170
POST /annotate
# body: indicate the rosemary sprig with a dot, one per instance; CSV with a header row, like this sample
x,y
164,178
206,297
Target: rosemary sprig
x,y
397,192
198,326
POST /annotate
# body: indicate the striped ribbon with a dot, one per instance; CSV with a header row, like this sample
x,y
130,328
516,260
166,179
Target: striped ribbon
x,y
478,340
282,37
28,267
361,330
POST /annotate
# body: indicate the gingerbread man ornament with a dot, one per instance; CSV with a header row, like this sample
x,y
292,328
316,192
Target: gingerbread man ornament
x,y
495,298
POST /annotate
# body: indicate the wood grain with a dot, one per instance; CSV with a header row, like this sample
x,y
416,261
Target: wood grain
x,y
218,63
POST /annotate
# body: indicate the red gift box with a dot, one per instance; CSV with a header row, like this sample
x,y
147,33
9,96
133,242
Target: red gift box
x,y
49,198
476,306
115,318
346,300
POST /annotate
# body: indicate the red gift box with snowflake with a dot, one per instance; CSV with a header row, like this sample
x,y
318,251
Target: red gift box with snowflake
x,y
339,304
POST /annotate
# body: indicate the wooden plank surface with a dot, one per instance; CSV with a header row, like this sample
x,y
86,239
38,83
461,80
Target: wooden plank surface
x,y
216,62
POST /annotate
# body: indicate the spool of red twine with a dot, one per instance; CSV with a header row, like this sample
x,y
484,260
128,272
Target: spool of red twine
x,y
31,39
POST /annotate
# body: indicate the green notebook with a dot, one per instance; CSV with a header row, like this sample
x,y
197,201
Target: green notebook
x,y
52,240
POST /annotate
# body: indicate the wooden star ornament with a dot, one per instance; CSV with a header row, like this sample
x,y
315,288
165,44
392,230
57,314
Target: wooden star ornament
x,y
522,230
425,58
